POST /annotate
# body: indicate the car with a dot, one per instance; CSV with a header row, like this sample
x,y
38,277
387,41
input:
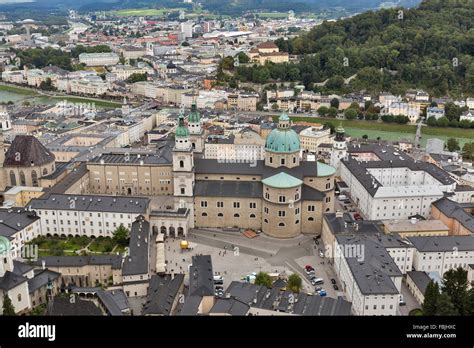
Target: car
x,y
401,301
312,276
309,267
322,293
317,281
333,280
347,201
318,288
310,272
335,287
219,288
218,280
321,253
357,216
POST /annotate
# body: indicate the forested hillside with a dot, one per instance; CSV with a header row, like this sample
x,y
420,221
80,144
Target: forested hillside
x,y
429,47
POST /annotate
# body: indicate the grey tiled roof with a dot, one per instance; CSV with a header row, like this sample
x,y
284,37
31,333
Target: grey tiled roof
x,y
214,188
11,280
201,276
455,210
14,220
442,243
421,279
26,150
373,272
41,279
112,204
230,306
137,262
78,261
162,293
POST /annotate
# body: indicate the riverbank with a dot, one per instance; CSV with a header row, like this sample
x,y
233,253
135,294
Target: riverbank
x,y
27,93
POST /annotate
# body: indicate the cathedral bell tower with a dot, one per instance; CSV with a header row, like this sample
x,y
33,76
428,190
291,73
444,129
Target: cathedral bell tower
x,y
339,149
183,162
195,129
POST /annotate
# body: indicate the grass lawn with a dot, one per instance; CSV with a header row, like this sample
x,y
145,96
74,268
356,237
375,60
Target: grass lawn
x,y
391,131
102,245
17,90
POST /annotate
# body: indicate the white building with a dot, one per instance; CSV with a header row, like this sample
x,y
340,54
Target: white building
x,y
98,59
386,184
187,29
442,253
468,115
312,137
434,112
85,215
369,277
246,145
411,110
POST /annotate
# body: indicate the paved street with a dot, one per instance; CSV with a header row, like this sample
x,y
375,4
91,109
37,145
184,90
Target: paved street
x,y
235,256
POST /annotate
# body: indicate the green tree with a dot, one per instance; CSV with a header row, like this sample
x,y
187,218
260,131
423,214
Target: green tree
x,y
294,283
442,122
350,114
444,306
455,285
323,111
335,103
263,278
8,308
430,302
243,58
431,121
137,78
120,235
468,151
332,112
452,144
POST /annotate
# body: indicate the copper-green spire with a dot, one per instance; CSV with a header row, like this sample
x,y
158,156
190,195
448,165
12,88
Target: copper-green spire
x,y
194,116
181,131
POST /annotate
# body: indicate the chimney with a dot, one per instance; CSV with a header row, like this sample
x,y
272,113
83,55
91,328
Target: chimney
x,y
43,264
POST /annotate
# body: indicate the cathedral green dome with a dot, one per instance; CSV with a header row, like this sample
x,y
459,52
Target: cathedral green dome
x,y
181,131
194,116
283,139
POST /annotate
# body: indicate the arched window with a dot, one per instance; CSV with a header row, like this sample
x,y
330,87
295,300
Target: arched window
x,y
266,221
45,171
19,297
252,216
22,178
281,224
34,178
297,222
220,215
310,219
236,215
204,214
12,178
181,164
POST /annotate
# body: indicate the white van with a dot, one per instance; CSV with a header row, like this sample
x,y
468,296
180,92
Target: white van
x,y
218,280
342,197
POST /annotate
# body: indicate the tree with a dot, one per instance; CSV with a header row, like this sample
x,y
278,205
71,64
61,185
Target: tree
x,y
137,78
442,122
350,114
243,58
335,103
430,303
323,111
120,235
8,308
452,144
47,85
444,306
431,121
185,44
365,137
294,283
263,278
455,285
332,112
468,151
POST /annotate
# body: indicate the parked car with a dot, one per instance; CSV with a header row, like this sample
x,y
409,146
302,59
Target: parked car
x,y
310,272
318,288
357,216
309,268
335,287
218,280
322,293
333,280
401,301
347,201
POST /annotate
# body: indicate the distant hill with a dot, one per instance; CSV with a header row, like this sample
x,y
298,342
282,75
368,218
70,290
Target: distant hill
x,y
430,47
225,7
